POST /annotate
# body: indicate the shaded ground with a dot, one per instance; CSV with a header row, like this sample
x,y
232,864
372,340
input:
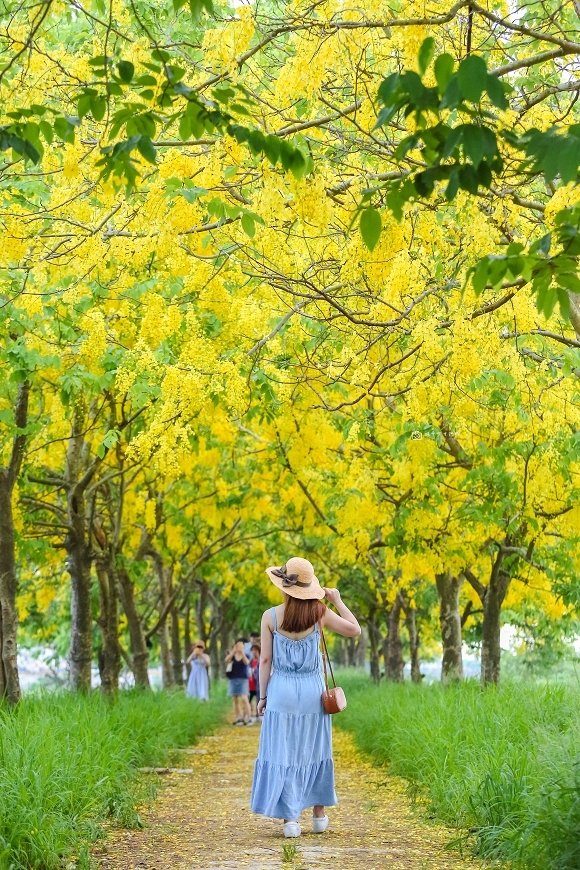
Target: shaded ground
x,y
201,821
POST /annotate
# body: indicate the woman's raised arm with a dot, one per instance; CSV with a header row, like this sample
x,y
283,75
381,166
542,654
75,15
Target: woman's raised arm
x,y
346,623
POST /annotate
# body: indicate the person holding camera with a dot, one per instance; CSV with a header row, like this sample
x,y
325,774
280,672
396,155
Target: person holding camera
x,y
237,672
198,682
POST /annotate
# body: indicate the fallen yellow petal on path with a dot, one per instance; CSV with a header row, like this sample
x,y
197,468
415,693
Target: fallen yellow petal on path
x,y
202,821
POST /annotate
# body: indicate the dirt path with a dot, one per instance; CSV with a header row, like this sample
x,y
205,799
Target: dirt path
x,y
201,821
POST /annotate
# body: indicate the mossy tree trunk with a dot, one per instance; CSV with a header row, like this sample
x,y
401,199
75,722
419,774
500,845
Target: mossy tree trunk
x,y
414,639
78,475
393,645
137,639
9,679
110,652
448,589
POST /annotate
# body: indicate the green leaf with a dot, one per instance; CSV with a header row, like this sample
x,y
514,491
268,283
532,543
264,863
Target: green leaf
x,y
443,68
272,148
197,6
475,143
248,225
145,80
452,96
452,185
147,149
298,165
472,76
84,105
479,277
564,302
126,70
395,202
98,108
569,280
388,87
542,246
370,227
64,130
495,91
46,131
184,127
239,109
426,53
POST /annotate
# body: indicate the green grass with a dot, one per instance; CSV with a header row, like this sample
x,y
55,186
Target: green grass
x,y
502,764
68,765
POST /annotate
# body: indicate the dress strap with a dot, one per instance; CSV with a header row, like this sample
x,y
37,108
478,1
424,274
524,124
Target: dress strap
x,y
273,612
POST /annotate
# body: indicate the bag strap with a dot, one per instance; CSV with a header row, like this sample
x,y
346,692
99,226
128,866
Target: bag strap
x,y
325,656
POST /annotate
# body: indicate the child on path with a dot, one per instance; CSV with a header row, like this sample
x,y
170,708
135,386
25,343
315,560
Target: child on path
x,y
238,688
254,680
198,682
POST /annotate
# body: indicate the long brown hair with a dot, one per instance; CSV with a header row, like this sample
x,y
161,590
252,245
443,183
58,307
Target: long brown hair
x,y
300,614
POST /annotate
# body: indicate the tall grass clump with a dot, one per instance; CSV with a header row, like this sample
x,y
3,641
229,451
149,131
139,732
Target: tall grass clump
x,y
68,763
502,764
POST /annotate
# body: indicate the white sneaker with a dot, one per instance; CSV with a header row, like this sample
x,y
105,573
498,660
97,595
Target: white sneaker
x,y
292,829
319,825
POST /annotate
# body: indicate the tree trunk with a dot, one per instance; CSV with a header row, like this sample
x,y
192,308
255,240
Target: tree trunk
x,y
374,642
110,653
340,655
225,634
393,645
361,649
2,670
187,634
79,555
200,608
139,651
490,647
9,679
81,617
164,575
448,588
492,597
411,623
176,647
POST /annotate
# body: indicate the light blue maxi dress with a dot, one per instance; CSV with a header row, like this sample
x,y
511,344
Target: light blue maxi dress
x,y
294,769
198,682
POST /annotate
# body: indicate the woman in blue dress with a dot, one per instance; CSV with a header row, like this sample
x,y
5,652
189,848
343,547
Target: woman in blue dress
x,y
294,769
198,682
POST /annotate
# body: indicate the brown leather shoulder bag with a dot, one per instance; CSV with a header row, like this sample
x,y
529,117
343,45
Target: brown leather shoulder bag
x,y
333,700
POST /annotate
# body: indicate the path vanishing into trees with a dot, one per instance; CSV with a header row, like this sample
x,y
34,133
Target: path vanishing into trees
x,y
202,820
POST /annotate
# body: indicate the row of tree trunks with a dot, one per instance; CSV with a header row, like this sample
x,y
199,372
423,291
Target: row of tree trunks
x,y
351,652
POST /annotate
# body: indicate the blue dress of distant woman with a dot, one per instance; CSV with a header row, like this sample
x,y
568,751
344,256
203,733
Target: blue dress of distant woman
x,y
295,769
198,681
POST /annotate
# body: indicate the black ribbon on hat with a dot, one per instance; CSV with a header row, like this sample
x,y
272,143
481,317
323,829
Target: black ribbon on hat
x,y
289,579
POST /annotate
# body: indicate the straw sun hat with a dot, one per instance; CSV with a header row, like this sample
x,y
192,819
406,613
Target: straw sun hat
x,y
296,578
